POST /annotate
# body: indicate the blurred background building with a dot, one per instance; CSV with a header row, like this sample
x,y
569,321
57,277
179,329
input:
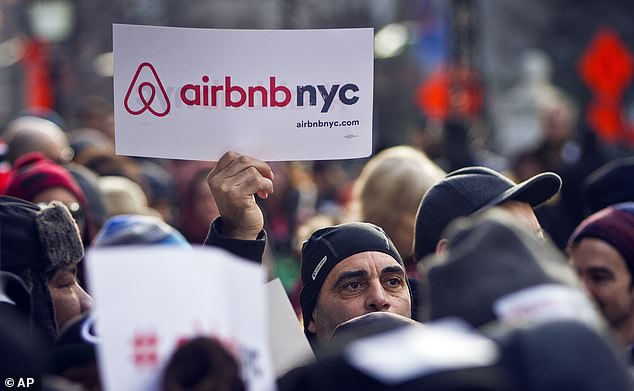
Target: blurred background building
x,y
518,86
58,52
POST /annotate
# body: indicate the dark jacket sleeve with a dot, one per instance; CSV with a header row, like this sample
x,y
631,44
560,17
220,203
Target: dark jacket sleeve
x,y
248,249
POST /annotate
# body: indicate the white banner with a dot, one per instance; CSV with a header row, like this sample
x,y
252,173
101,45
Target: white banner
x,y
289,346
273,94
150,300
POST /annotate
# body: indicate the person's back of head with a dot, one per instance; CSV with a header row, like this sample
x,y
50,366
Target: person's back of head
x,y
496,270
389,189
610,184
124,196
440,357
562,354
34,134
124,230
85,139
365,326
202,364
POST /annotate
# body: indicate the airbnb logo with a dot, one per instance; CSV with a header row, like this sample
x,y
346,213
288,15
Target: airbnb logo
x,y
152,96
146,92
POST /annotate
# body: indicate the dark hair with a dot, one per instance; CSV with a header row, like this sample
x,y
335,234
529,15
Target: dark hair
x,y
202,364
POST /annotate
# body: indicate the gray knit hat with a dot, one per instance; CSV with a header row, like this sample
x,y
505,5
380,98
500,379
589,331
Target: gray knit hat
x,y
491,257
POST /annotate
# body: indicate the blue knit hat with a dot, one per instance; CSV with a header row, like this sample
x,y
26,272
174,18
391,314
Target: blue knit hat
x,y
138,229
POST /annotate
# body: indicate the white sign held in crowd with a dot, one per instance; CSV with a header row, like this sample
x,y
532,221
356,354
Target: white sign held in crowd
x,y
273,94
150,300
289,346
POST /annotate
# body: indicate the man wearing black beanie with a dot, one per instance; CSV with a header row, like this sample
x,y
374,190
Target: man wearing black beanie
x,y
350,270
347,270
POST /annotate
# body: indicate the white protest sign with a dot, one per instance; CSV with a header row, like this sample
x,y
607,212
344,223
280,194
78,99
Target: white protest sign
x,y
289,345
273,94
150,300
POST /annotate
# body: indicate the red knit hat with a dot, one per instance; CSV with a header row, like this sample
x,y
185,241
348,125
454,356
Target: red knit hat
x,y
34,173
614,225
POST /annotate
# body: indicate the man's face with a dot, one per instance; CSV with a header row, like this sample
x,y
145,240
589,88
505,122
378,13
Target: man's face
x,y
362,283
605,277
69,299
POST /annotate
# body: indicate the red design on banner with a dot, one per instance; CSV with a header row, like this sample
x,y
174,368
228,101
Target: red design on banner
x,y
607,68
147,102
145,349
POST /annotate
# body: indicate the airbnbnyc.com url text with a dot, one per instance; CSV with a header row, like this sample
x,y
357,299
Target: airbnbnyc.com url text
x,y
327,124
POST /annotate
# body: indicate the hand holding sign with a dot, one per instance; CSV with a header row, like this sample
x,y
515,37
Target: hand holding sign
x,y
233,183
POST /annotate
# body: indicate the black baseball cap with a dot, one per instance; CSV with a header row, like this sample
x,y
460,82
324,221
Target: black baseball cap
x,y
469,190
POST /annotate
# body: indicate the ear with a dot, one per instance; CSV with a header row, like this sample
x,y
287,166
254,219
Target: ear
x,y
312,327
441,246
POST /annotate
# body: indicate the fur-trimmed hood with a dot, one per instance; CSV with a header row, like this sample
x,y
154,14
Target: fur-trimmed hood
x,y
34,242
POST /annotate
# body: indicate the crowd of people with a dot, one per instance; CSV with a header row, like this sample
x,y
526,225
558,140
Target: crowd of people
x,y
405,272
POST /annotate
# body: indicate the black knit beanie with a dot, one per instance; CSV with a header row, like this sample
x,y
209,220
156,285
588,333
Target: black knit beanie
x,y
327,247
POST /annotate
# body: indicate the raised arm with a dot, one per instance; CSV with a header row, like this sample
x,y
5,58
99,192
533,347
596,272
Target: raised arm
x,y
234,182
